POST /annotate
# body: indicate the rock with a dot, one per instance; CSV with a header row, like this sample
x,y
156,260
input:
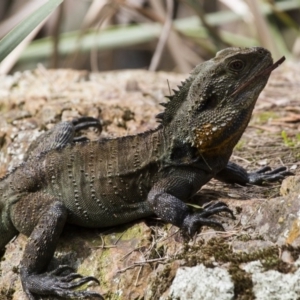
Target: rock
x,y
149,259
273,284
203,283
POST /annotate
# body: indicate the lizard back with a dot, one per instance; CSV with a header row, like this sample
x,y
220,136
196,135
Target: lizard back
x,y
103,180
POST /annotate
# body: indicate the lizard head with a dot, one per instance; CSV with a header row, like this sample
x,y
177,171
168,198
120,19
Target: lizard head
x,y
234,78
214,105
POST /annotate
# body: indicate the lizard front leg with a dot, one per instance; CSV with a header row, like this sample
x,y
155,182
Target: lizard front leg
x,y
39,251
167,197
234,173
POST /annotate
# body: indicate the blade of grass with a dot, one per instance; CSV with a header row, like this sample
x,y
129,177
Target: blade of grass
x,y
176,49
284,17
163,36
262,29
25,10
55,33
17,35
9,61
213,31
113,37
117,37
120,36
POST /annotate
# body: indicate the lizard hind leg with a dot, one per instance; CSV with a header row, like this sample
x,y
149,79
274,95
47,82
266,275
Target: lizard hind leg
x,y
84,123
46,229
60,135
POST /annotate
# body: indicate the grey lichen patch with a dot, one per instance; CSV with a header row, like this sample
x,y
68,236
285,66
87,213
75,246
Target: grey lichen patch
x,y
203,283
219,252
273,284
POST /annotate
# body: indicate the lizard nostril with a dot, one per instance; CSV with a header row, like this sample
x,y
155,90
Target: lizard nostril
x,y
261,51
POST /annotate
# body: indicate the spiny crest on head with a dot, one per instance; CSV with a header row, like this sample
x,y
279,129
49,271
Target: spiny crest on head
x,y
175,101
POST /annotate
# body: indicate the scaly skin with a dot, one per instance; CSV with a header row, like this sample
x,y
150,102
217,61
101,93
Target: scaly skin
x,y
114,181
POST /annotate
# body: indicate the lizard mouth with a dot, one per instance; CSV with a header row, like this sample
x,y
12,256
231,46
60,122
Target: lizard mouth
x,y
264,72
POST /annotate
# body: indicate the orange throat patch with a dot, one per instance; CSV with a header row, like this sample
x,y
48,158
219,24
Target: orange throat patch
x,y
210,138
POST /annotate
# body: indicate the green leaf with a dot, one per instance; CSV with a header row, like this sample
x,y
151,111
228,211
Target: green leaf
x,y
19,33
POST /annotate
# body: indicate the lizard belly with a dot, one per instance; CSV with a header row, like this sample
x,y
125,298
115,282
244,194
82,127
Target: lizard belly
x,y
100,214
108,202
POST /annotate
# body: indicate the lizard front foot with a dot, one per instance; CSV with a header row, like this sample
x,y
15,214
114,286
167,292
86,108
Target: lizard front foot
x,y
193,221
267,175
60,282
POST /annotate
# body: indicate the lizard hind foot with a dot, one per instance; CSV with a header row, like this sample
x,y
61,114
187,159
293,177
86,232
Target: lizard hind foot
x,y
84,123
193,221
60,282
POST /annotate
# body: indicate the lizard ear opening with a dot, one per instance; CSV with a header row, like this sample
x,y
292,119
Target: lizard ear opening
x,y
210,103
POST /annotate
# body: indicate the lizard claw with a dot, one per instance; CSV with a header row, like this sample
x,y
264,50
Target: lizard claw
x,y
86,122
265,174
61,269
195,220
58,284
215,207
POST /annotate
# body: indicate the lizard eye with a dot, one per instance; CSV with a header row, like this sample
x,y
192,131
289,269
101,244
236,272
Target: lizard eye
x,y
236,65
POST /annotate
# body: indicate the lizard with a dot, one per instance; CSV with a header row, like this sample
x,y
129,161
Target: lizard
x,y
112,181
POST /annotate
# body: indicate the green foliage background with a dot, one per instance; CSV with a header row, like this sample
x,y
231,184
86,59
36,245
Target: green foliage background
x,y
114,34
